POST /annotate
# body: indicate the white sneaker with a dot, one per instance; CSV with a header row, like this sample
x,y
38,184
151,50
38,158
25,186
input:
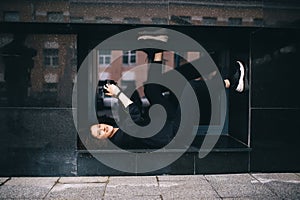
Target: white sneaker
x,y
240,81
240,87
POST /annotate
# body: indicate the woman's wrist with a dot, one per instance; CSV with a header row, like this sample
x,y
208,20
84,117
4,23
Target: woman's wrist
x,y
124,100
118,94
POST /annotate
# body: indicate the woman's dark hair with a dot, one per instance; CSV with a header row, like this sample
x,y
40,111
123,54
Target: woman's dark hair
x,y
104,119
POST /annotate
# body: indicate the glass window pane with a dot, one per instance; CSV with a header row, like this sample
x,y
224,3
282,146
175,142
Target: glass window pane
x,y
101,60
125,59
55,17
157,20
11,16
104,20
76,19
209,20
234,21
132,58
55,61
107,60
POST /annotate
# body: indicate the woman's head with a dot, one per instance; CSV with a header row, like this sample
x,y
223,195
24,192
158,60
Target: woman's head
x,y
102,131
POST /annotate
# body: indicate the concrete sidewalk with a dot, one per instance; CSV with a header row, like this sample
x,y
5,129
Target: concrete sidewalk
x,y
227,186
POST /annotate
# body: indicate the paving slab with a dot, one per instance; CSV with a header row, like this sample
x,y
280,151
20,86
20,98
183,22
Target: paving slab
x,y
284,185
3,179
83,179
133,186
232,178
258,191
285,190
239,186
186,187
254,198
181,178
132,180
184,190
27,188
132,197
269,177
78,191
142,197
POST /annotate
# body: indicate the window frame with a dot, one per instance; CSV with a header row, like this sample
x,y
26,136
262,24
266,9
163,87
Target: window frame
x,y
129,55
51,56
105,56
7,19
60,16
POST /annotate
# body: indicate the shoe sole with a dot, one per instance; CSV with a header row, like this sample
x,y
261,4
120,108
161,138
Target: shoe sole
x,y
241,85
161,38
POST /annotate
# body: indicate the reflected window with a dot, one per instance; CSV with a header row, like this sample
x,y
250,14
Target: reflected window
x,y
11,16
55,16
76,19
157,20
209,20
51,57
258,21
187,19
129,57
234,21
50,87
132,20
104,20
104,57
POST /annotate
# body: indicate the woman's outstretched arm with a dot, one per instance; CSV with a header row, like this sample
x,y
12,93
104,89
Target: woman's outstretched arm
x,y
115,91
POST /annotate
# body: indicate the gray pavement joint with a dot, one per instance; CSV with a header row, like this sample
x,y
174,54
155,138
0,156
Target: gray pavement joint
x,y
271,189
105,187
157,180
212,187
55,183
2,183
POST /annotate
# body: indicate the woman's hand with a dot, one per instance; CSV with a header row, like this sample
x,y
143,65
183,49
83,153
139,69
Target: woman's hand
x,y
115,91
112,90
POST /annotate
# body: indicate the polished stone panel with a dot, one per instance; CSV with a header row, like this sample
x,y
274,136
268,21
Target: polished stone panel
x,y
275,140
274,69
37,141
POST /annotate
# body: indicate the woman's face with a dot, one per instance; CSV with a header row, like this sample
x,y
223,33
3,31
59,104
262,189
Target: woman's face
x,y
101,131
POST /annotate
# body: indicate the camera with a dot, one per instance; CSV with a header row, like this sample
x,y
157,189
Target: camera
x,y
101,84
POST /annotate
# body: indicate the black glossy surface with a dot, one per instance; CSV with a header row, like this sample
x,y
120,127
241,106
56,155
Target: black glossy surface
x,y
275,68
228,156
239,116
224,143
42,141
37,142
223,162
275,102
275,140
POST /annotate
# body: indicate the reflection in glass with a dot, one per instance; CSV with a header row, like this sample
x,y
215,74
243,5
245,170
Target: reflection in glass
x,y
40,71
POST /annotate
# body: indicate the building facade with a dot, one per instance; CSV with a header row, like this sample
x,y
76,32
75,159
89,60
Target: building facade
x,y
40,137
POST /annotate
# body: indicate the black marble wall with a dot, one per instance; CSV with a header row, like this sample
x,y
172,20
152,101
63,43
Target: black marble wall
x,y
37,142
41,141
275,101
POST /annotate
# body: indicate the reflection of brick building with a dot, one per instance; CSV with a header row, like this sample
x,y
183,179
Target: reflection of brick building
x,y
122,66
54,64
54,68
